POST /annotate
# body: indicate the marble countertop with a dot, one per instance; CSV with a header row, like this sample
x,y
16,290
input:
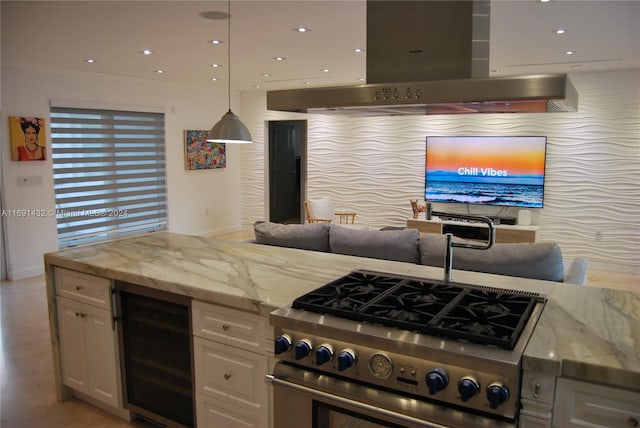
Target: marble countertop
x,y
586,333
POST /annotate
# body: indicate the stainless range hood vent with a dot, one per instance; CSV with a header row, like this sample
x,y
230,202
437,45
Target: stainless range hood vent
x,y
430,57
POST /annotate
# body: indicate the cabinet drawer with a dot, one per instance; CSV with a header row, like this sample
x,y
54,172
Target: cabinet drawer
x,y
231,375
214,413
580,404
83,287
229,326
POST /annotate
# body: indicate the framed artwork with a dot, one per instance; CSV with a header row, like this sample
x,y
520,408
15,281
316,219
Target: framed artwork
x,y
28,138
202,154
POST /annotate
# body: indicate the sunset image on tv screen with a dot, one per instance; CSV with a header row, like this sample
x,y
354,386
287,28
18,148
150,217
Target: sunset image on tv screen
x,y
501,170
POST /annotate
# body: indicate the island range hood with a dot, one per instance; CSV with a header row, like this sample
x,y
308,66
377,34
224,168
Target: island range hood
x,y
431,57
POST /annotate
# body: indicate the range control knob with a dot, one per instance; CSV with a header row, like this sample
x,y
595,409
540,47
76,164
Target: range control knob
x,y
497,394
346,359
437,380
468,388
324,354
303,349
282,344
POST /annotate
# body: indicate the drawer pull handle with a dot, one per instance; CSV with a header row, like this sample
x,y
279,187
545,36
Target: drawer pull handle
x,y
225,327
80,314
632,422
227,376
536,392
78,287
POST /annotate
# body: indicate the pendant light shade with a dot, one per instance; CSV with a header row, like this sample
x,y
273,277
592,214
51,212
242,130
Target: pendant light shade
x,y
229,129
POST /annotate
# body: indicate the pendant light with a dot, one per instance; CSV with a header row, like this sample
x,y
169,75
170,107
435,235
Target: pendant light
x,y
229,129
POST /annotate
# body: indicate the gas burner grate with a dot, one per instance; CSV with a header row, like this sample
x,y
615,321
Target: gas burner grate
x,y
485,315
345,296
495,318
411,305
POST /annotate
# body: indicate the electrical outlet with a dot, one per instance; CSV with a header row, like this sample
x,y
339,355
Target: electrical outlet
x,y
598,236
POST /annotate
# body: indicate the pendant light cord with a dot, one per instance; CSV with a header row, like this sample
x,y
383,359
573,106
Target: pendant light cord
x,y
229,56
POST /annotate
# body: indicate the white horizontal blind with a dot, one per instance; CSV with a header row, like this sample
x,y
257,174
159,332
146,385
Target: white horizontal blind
x,y
109,173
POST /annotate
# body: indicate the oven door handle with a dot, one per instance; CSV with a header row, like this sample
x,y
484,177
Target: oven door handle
x,y
271,379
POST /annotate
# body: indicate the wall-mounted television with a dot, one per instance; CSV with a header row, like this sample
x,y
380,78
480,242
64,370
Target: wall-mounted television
x,y
486,170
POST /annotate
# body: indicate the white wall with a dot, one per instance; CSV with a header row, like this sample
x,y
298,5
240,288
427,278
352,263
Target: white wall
x,y
191,194
375,165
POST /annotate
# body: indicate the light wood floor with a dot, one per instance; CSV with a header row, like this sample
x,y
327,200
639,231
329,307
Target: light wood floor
x,y
26,368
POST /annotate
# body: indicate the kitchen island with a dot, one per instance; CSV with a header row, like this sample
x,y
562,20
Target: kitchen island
x,y
584,334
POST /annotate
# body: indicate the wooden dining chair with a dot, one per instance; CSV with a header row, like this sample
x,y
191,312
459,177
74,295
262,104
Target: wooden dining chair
x,y
321,211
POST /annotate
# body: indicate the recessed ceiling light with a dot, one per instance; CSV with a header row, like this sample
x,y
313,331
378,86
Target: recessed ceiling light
x,y
360,79
358,50
307,83
569,52
214,79
265,75
215,65
159,71
217,42
544,1
302,29
279,58
257,86
146,52
90,60
325,70
559,31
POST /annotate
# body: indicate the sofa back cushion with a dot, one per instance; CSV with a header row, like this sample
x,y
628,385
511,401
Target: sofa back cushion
x,y
541,260
310,236
398,245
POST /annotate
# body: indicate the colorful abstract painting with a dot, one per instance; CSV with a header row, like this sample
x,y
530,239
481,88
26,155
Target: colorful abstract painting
x,y
202,154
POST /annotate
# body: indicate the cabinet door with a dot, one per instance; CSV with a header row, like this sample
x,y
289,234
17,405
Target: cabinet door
x,y
101,356
88,351
73,350
230,374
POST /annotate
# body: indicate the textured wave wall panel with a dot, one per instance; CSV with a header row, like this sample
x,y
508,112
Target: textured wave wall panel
x,y
375,165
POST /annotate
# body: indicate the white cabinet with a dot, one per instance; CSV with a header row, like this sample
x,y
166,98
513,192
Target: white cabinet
x,y
88,347
581,404
230,359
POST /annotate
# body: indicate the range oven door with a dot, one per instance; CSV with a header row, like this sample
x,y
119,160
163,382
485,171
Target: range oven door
x,y
302,398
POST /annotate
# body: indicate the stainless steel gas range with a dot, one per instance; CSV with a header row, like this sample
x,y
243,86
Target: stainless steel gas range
x,y
372,349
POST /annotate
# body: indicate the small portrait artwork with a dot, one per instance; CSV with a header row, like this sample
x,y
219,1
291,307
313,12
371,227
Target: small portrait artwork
x,y
202,154
28,138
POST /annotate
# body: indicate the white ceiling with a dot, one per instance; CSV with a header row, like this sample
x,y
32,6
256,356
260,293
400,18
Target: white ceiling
x,y
605,35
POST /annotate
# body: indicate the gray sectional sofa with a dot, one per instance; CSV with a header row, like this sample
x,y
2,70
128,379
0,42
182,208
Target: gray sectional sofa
x,y
529,260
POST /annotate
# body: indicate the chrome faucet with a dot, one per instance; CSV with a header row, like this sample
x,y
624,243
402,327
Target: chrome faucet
x,y
448,255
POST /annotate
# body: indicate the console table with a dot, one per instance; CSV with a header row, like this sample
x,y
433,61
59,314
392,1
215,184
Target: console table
x,y
469,230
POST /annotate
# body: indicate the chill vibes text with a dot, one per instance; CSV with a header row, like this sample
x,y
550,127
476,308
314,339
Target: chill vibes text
x,y
486,172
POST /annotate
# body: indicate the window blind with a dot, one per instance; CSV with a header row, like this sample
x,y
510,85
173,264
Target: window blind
x,y
109,173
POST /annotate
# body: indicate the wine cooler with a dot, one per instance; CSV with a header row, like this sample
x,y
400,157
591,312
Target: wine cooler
x,y
155,354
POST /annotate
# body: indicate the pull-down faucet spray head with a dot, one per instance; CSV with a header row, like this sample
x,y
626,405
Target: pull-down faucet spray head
x,y
448,255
